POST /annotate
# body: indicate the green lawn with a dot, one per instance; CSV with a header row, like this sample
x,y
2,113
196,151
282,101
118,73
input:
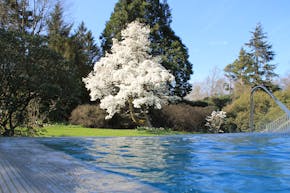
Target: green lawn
x,y
73,130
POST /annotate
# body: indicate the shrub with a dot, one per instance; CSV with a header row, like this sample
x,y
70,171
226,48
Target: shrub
x,y
181,117
94,117
215,121
89,116
198,103
154,130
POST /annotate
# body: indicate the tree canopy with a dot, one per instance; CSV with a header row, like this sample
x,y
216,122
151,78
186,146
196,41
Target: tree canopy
x,y
28,70
164,42
129,76
42,64
253,65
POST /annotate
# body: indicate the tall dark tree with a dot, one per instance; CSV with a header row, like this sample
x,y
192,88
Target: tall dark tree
x,y
40,70
243,69
253,67
59,32
164,42
262,54
61,41
30,70
78,49
87,52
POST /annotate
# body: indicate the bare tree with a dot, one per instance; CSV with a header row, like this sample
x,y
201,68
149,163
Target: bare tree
x,y
25,15
215,84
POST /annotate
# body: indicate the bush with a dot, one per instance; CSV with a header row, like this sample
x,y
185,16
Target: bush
x,y
93,116
181,117
89,116
154,130
198,103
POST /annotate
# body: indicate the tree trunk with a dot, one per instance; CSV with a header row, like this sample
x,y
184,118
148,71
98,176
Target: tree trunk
x,y
8,132
139,122
148,122
131,109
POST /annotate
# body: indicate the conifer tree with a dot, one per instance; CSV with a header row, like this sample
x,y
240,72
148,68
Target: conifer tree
x,y
262,54
253,66
87,52
58,33
78,49
61,41
164,42
243,69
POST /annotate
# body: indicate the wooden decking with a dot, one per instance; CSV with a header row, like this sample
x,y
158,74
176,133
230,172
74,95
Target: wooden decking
x,y
26,166
12,181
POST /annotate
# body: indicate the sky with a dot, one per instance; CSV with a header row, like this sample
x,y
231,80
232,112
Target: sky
x,y
213,30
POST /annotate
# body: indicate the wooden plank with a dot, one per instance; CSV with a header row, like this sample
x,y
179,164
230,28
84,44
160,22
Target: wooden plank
x,y
28,166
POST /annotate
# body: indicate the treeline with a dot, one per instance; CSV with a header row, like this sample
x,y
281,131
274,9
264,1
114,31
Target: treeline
x,y
43,59
266,110
42,62
254,66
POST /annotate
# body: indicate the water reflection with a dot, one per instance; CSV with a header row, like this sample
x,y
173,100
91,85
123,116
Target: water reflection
x,y
193,163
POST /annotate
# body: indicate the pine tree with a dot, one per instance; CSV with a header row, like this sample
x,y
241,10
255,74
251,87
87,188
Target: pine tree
x,y
262,54
253,66
78,49
87,52
243,69
61,41
58,33
164,42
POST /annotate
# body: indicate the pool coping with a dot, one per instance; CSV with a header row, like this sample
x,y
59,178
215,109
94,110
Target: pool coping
x,y
28,166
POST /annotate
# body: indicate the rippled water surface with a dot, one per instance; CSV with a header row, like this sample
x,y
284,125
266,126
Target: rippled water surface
x,y
190,163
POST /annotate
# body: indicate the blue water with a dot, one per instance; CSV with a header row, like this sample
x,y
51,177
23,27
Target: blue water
x,y
191,163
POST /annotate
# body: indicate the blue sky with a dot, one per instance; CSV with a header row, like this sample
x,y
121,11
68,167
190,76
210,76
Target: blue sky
x,y
213,30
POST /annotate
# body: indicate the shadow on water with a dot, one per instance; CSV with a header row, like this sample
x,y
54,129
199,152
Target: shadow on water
x,y
191,163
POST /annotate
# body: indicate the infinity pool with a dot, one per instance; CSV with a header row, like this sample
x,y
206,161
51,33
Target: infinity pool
x,y
190,163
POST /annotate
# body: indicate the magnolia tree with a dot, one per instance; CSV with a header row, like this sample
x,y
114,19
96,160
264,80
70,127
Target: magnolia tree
x,y
128,77
215,121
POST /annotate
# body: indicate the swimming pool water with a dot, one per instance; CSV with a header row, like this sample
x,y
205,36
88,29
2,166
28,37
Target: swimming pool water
x,y
190,163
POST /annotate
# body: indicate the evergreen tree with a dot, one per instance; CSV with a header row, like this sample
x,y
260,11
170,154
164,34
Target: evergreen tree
x,y
78,49
243,69
253,66
87,52
164,42
60,41
58,33
262,54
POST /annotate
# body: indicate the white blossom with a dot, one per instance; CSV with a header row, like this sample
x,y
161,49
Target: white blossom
x,y
215,121
129,72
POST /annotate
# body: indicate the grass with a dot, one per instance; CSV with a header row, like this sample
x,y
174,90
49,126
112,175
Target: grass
x,y
79,131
